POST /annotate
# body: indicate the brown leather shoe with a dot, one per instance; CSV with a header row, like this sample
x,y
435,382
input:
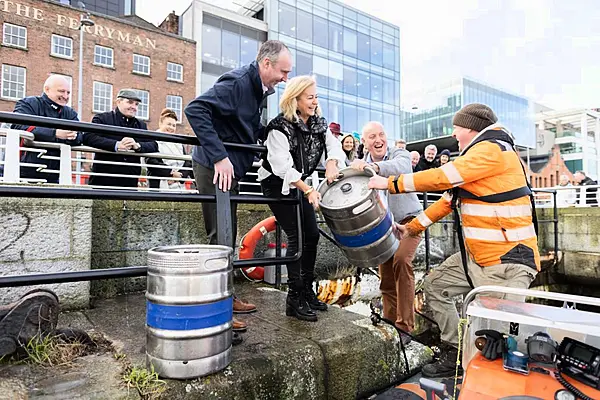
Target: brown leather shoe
x,y
239,307
239,326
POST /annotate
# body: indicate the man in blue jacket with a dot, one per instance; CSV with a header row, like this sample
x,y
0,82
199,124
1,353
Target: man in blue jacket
x,y
52,103
230,111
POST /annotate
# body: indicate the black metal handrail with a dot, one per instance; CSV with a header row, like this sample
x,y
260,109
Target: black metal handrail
x,y
88,127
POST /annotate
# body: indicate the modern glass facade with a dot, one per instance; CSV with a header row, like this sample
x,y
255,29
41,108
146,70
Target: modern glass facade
x,y
226,46
431,115
354,57
115,8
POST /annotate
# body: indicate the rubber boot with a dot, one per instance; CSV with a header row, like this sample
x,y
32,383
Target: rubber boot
x,y
296,306
311,297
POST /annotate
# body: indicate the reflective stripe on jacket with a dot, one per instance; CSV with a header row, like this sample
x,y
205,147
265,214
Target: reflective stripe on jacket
x,y
495,233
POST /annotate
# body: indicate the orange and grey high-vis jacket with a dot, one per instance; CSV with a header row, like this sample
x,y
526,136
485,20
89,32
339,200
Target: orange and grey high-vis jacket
x,y
494,202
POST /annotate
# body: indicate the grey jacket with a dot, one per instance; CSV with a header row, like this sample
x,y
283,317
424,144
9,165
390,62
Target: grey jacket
x,y
397,163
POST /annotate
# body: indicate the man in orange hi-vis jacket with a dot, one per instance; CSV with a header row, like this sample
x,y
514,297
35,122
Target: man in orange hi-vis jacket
x,y
491,198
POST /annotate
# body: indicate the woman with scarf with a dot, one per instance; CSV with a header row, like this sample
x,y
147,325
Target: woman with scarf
x,y
298,141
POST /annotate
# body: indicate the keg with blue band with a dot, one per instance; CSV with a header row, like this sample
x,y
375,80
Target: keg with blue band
x,y
189,317
189,310
368,237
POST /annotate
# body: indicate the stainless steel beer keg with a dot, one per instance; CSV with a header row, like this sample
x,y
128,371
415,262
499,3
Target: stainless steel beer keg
x,y
358,218
189,310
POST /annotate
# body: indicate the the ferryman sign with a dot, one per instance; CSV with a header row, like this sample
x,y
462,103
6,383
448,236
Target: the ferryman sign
x,y
99,30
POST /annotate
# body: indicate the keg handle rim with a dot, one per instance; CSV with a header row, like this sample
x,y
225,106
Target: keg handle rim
x,y
336,180
370,171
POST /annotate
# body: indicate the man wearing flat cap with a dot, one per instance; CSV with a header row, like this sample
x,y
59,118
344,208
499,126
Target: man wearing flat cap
x,y
488,192
123,115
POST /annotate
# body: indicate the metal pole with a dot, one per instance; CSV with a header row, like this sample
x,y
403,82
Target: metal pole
x,y
555,215
277,254
80,78
224,218
80,93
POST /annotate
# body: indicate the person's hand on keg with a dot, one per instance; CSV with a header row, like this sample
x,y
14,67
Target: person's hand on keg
x,y
378,182
331,171
399,230
313,197
360,165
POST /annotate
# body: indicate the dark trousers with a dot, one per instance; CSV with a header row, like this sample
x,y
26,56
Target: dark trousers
x,y
302,271
204,183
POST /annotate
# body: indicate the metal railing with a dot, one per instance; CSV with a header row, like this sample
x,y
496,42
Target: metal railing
x,y
569,196
222,199
544,197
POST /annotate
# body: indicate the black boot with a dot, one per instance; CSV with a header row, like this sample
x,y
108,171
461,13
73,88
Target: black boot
x,y
445,365
296,306
311,297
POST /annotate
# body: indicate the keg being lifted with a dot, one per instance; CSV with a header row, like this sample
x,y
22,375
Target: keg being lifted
x,y
358,218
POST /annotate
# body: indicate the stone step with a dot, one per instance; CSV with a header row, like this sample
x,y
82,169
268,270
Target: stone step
x,y
342,356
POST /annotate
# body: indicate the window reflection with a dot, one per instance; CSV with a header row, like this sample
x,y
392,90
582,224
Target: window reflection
x,y
376,116
364,116
389,56
336,76
363,85
211,44
335,37
388,91
287,20
350,124
376,88
207,81
364,47
324,106
231,50
304,27
249,48
350,42
350,80
321,71
304,63
376,52
320,32
335,113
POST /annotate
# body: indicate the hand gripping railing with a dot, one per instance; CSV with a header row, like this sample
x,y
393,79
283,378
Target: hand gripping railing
x,y
223,201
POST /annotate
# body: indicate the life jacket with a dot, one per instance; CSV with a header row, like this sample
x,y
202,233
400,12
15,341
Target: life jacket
x,y
506,143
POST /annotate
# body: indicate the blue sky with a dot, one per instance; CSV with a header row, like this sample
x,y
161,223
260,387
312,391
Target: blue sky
x,y
548,50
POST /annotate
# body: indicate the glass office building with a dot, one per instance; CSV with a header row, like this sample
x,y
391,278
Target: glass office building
x,y
354,56
115,8
226,45
431,113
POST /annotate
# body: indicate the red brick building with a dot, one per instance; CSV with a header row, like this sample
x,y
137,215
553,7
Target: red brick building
x,y
41,37
545,171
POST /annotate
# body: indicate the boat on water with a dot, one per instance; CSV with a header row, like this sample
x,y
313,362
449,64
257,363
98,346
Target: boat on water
x,y
547,352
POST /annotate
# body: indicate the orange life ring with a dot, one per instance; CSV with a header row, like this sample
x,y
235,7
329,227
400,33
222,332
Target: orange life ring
x,y
248,245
